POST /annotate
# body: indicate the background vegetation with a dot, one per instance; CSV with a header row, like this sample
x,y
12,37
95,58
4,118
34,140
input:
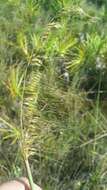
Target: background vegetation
x,y
53,88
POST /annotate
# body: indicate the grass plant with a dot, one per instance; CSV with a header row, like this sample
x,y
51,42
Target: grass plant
x,y
53,73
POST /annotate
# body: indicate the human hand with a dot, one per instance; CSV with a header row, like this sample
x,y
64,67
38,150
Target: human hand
x,y
20,184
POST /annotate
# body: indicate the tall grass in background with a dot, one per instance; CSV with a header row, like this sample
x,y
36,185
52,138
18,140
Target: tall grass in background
x,y
53,92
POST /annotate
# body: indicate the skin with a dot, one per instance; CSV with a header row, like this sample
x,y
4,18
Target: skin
x,y
20,184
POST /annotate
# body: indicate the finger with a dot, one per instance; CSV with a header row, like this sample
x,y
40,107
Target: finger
x,y
12,185
26,181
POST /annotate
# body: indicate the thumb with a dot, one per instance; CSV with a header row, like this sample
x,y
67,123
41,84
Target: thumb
x,y
27,185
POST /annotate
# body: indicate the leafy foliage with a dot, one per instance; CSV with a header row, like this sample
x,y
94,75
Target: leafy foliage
x,y
53,73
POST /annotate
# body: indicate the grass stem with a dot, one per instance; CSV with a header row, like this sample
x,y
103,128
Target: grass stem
x,y
29,174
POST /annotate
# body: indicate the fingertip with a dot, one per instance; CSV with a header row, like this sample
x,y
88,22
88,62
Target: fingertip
x,y
26,181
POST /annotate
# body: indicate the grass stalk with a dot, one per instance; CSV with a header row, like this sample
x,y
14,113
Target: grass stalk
x,y
29,173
